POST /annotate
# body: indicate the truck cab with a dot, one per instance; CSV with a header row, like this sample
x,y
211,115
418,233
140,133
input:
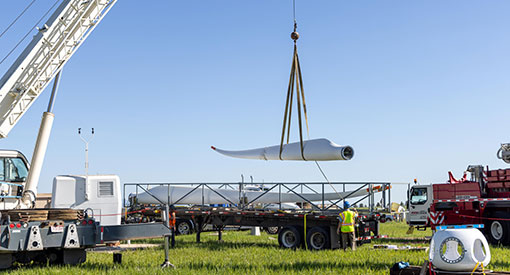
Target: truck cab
x,y
420,199
14,169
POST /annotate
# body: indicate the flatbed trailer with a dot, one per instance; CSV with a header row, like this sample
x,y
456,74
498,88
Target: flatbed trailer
x,y
312,227
312,230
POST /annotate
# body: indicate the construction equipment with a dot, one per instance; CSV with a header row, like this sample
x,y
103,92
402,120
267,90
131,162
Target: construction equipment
x,y
504,152
51,235
484,198
44,57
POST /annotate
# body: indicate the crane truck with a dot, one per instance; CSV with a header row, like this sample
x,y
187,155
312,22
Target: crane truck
x,y
54,235
481,196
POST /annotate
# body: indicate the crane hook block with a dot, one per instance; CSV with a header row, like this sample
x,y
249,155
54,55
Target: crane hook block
x,y
294,36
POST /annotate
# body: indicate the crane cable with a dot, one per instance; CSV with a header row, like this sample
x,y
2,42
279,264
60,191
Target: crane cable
x,y
28,33
296,77
15,20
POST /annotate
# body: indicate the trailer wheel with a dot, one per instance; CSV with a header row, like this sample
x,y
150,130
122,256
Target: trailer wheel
x,y
74,256
318,238
6,261
273,230
183,227
289,237
497,231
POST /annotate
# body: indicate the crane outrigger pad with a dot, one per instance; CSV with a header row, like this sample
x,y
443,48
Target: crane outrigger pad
x,y
313,150
133,231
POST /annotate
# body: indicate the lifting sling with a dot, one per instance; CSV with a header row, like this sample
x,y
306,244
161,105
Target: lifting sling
x,y
296,81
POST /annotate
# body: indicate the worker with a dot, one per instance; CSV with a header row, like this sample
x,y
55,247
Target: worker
x,y
171,224
346,227
171,217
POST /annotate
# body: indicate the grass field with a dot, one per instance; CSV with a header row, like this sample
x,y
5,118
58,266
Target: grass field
x,y
241,253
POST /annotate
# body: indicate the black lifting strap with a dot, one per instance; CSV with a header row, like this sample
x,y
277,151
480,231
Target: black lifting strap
x,y
295,76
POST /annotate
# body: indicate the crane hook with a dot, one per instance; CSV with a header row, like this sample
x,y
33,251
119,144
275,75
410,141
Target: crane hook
x,y
294,35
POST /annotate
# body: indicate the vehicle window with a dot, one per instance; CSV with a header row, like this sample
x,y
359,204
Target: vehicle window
x,y
13,170
2,171
418,196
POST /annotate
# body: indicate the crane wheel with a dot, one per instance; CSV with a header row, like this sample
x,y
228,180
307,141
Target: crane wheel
x,y
498,231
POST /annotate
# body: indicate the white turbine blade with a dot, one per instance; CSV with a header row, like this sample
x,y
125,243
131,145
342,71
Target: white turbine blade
x,y
313,150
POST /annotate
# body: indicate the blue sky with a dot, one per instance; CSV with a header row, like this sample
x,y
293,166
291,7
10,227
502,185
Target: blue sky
x,y
418,88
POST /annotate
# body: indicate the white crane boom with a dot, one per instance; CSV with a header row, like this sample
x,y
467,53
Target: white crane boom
x,y
44,57
42,60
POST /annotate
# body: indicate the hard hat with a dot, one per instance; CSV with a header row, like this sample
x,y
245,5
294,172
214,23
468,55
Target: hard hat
x,y
346,204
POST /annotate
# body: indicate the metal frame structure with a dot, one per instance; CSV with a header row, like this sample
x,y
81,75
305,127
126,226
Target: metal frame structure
x,y
287,187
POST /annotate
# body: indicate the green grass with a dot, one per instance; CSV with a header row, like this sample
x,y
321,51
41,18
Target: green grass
x,y
242,253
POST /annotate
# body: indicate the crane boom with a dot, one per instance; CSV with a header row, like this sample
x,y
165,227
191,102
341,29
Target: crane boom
x,y
45,56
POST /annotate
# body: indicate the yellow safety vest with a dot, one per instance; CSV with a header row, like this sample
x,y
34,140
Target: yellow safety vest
x,y
347,221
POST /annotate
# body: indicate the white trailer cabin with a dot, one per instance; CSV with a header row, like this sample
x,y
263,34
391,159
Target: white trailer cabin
x,y
101,193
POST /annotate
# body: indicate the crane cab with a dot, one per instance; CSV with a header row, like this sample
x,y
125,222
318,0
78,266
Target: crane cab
x,y
14,169
420,199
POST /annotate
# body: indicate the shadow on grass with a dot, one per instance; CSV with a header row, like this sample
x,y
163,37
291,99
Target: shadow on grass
x,y
403,240
215,245
37,265
101,266
280,267
276,267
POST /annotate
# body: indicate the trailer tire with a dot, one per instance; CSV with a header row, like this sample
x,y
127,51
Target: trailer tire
x,y
73,256
318,238
6,261
497,231
183,227
273,230
289,237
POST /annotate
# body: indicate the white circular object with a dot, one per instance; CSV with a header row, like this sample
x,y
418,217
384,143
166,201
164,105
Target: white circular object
x,y
459,249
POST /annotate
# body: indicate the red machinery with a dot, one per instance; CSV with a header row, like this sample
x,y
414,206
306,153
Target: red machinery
x,y
483,199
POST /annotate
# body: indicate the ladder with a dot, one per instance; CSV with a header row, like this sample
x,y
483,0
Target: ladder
x,y
52,46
